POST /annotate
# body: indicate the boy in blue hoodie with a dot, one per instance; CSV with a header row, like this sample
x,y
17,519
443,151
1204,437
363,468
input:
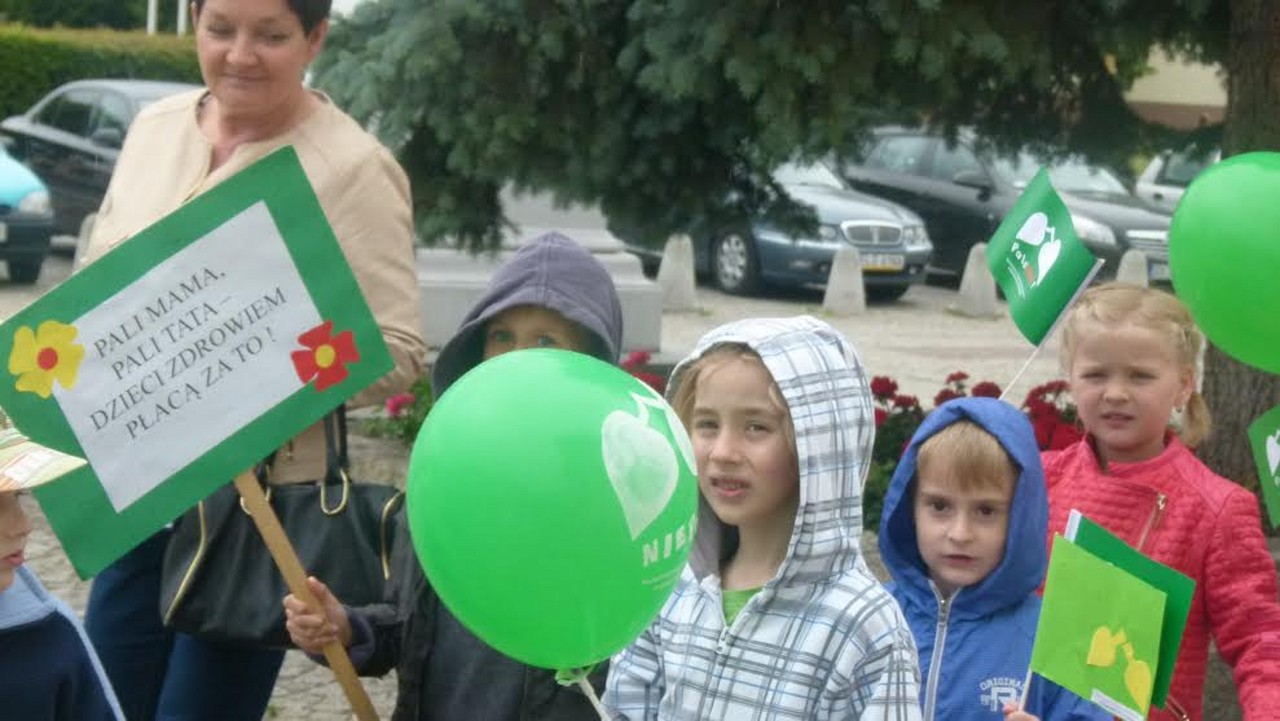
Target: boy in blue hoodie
x,y
962,534
551,294
48,670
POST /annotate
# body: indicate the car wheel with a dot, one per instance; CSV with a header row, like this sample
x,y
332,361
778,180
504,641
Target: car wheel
x,y
734,265
24,271
886,293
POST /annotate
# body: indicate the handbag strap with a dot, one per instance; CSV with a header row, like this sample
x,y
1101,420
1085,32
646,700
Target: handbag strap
x,y
337,462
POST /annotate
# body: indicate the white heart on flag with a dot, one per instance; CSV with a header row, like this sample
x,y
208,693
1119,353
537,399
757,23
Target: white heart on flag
x,y
1032,230
1048,256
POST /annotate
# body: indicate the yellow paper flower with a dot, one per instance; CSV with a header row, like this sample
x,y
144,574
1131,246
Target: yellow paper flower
x,y
40,358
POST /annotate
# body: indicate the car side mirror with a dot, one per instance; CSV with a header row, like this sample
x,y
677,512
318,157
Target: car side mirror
x,y
107,137
973,179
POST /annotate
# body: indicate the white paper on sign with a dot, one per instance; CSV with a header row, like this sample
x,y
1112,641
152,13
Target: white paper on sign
x,y
191,352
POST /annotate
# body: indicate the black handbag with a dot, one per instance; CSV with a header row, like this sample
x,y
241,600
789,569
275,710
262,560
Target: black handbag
x,y
218,580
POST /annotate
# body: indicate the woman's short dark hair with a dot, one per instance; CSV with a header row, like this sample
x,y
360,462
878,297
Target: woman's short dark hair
x,y
309,12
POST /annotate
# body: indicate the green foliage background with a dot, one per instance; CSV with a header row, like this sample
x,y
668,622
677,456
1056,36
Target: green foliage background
x,y
666,111
37,60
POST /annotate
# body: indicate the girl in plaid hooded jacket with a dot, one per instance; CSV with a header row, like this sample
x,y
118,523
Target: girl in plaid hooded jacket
x,y
776,615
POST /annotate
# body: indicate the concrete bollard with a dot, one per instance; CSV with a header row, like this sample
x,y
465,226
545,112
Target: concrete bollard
x,y
1133,268
977,297
82,240
675,275
846,294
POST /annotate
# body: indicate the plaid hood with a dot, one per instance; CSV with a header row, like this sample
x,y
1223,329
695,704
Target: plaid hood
x,y
829,398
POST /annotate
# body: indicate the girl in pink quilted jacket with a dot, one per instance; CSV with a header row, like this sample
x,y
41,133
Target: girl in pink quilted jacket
x,y
1130,355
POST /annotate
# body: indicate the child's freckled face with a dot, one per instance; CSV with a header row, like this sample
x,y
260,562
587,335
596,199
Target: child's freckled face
x,y
14,529
531,326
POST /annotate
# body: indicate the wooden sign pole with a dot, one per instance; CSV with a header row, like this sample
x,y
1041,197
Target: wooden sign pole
x,y
264,517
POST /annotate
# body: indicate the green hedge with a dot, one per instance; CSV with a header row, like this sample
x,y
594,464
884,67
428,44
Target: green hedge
x,y
36,61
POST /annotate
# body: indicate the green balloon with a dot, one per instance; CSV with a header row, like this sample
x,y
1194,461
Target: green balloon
x,y
552,501
1224,256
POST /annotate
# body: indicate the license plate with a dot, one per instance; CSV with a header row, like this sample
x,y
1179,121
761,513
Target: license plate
x,y
883,261
1158,271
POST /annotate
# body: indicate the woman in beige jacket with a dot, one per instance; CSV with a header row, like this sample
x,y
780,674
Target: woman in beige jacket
x,y
252,56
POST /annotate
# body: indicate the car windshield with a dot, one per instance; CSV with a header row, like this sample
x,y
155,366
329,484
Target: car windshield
x,y
1069,175
1182,167
814,174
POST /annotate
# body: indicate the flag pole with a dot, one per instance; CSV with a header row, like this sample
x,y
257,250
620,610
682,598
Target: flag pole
x,y
1088,278
1026,690
264,517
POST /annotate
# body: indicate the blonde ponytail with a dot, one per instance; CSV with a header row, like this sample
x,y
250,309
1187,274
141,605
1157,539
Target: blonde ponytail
x,y
1197,422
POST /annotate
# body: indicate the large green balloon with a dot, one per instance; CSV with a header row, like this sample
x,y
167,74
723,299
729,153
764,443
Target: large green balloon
x,y
551,500
1224,255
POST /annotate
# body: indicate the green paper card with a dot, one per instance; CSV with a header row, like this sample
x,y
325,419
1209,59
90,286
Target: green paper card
x,y
1099,631
187,354
1178,589
1264,436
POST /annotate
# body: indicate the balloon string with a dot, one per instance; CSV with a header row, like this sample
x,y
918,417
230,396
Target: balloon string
x,y
590,693
578,676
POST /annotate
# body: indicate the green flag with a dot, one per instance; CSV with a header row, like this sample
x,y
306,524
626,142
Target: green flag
x,y
1037,260
187,354
1099,631
1264,436
1178,590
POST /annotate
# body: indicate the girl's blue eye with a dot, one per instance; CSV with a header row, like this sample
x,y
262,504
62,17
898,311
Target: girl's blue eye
x,y
546,341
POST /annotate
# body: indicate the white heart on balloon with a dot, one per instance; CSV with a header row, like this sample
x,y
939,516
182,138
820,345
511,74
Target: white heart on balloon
x,y
1033,228
642,468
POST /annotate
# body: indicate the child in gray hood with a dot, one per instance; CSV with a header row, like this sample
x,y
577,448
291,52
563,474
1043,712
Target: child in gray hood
x,y
551,294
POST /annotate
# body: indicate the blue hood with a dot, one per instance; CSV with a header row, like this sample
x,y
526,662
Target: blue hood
x,y
1025,558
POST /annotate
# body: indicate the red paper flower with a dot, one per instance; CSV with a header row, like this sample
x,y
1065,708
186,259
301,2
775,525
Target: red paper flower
x,y
883,388
881,415
958,377
986,389
326,356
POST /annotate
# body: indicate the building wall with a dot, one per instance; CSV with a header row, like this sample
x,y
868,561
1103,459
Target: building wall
x,y
1179,93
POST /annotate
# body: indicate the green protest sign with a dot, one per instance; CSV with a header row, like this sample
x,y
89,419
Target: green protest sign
x,y
1099,631
1178,589
187,354
1264,436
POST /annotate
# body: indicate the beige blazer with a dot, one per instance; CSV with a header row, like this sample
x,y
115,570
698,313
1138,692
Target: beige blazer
x,y
363,191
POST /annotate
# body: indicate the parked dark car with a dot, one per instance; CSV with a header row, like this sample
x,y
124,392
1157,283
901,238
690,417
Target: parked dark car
x,y
26,220
71,138
963,194
891,241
